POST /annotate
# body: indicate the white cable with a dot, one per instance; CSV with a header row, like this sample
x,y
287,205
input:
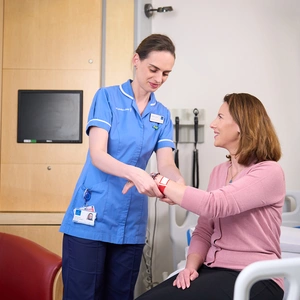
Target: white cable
x,y
148,254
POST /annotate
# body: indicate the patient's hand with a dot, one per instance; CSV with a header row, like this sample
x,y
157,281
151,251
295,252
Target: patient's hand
x,y
184,278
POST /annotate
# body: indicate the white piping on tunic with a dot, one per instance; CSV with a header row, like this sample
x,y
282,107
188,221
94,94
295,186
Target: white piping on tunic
x,y
165,140
120,86
98,121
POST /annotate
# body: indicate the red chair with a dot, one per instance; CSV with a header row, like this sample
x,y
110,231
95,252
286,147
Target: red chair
x,y
28,271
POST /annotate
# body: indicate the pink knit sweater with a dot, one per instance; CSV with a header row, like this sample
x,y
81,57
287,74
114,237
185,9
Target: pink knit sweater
x,y
238,223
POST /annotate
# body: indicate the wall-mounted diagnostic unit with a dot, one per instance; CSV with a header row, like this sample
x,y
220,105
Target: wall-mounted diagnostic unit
x,y
189,128
184,124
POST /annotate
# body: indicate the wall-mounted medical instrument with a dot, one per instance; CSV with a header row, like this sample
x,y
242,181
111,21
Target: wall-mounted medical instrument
x,y
186,131
149,9
195,174
176,141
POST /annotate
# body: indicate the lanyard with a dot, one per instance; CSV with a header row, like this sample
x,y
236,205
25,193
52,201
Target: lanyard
x,y
176,141
195,153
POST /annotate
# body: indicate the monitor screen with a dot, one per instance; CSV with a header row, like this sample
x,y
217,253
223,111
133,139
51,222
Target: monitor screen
x,y
49,116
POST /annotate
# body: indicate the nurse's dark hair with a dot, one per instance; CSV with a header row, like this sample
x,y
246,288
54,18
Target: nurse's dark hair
x,y
155,42
258,138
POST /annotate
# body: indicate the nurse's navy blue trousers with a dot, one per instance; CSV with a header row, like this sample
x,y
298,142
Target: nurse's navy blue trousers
x,y
94,270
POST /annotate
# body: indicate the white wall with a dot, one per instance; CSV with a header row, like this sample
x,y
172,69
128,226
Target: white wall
x,y
229,46
250,46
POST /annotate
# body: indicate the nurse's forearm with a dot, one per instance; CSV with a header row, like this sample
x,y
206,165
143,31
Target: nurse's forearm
x,y
172,172
135,176
106,163
166,165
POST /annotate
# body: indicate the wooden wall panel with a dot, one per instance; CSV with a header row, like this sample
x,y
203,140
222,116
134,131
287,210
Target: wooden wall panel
x,y
119,41
33,187
53,44
47,236
48,44
52,34
1,47
13,152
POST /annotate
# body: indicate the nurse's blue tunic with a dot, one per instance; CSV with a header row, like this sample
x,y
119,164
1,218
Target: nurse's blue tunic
x,y
132,138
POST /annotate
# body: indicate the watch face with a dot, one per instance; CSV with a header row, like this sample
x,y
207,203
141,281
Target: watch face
x,y
153,175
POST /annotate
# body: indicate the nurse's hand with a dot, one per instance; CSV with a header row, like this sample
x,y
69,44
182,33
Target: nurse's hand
x,y
184,278
128,185
144,184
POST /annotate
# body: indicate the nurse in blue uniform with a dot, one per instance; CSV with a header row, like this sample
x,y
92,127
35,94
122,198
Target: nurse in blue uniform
x,y
104,226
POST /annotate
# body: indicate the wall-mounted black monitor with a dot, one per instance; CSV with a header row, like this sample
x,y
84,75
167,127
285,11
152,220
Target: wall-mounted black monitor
x,y
50,116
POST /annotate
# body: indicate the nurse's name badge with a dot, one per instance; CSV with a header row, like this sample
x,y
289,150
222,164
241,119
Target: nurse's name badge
x,y
156,118
83,216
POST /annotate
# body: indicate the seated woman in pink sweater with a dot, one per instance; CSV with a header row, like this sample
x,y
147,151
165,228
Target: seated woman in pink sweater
x,y
240,213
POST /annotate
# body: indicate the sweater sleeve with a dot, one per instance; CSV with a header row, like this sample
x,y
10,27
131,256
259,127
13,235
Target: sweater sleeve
x,y
261,185
200,242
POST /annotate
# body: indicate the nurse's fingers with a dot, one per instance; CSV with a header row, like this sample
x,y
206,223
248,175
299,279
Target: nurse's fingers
x,y
128,185
150,191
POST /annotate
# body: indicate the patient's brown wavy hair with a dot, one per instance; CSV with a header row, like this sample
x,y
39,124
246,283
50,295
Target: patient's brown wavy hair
x,y
258,138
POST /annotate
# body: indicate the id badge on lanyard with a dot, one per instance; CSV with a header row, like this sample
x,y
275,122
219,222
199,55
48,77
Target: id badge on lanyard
x,y
86,214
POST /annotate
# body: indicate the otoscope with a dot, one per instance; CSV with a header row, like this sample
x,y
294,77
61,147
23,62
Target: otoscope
x,y
176,141
195,156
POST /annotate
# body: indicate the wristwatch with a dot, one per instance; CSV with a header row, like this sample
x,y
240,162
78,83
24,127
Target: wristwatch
x,y
154,175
